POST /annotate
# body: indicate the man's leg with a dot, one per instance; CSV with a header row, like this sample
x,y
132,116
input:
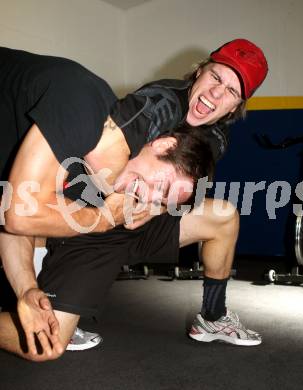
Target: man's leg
x,y
81,340
12,337
219,232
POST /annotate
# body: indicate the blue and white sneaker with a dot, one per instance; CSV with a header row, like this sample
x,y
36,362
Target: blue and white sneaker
x,y
227,328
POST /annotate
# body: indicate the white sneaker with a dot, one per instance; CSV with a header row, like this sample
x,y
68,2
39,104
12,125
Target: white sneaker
x,y
227,328
82,340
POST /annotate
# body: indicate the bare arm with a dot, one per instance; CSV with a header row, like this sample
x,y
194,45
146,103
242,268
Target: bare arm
x,y
36,162
21,275
34,308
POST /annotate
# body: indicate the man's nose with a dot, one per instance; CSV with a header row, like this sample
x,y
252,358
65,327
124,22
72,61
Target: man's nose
x,y
218,91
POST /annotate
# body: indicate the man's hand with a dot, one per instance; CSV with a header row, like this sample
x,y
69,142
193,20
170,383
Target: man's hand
x,y
127,211
38,320
123,208
144,217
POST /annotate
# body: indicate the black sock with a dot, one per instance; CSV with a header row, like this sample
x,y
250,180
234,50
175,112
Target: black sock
x,y
213,306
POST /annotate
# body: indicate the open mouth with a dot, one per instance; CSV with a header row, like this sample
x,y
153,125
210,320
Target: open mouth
x,y
132,190
137,190
204,106
135,185
136,194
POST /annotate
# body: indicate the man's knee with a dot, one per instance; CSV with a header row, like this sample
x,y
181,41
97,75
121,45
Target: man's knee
x,y
232,217
220,215
214,219
224,211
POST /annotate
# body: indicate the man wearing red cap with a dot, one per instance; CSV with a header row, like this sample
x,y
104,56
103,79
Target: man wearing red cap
x,y
212,96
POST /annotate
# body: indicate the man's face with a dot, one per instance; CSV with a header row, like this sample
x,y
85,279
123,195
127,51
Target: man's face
x,y
153,180
215,93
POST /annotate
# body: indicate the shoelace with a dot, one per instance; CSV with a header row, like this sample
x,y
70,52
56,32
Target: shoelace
x,y
234,319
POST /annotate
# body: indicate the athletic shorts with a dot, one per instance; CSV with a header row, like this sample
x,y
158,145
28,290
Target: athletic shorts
x,y
78,271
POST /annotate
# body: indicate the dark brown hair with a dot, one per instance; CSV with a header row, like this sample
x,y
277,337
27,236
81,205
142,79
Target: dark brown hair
x,y
192,156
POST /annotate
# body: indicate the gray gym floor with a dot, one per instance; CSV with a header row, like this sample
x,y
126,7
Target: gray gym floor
x,y
145,344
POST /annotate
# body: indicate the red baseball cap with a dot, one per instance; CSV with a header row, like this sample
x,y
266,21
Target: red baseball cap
x,y
247,60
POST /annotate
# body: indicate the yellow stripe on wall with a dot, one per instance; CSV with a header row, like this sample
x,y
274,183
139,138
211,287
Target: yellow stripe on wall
x,y
275,103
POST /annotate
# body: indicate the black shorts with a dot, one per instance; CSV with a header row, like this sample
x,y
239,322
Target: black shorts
x,y
78,271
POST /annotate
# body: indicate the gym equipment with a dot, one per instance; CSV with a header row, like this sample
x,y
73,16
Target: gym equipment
x,y
135,272
195,272
294,277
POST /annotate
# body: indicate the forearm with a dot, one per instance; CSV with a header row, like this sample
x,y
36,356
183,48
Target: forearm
x,y
54,217
17,260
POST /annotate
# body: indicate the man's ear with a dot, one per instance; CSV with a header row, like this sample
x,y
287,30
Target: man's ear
x,y
161,145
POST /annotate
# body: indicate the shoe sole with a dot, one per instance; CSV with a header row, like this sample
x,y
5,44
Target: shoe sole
x,y
207,338
83,347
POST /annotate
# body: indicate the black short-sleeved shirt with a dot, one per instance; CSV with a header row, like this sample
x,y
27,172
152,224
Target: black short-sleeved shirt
x,y
160,107
67,102
70,104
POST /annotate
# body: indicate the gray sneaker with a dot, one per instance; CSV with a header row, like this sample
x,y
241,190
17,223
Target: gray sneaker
x,y
227,328
82,340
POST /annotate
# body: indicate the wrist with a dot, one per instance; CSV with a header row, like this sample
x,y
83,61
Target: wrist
x,y
106,216
106,221
22,291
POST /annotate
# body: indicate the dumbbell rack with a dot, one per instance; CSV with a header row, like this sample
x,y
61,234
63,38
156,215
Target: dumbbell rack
x,y
294,277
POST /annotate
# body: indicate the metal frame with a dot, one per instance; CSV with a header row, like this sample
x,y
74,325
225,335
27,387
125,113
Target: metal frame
x,y
299,239
294,277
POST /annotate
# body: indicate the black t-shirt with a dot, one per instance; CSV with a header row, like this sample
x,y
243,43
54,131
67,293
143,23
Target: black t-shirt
x,y
154,109
68,103
161,107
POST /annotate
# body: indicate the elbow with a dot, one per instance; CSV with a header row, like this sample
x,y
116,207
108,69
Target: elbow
x,y
15,224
